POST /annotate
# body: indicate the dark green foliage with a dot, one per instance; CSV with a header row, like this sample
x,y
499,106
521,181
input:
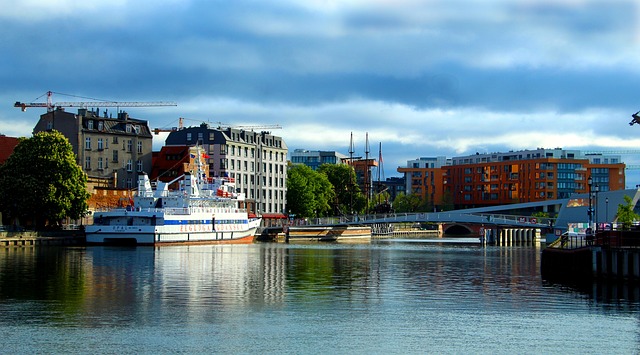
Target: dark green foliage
x,y
41,183
348,197
411,203
625,214
309,192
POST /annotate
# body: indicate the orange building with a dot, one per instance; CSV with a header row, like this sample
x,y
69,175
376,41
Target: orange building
x,y
424,177
515,177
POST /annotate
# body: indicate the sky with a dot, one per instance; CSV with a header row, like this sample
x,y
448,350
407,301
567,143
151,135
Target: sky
x,y
418,78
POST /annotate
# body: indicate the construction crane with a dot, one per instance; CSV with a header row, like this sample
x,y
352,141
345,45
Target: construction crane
x,y
156,131
50,105
220,126
247,128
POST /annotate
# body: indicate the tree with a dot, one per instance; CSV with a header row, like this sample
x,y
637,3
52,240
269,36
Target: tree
x,y
41,183
412,203
447,201
625,214
309,193
349,198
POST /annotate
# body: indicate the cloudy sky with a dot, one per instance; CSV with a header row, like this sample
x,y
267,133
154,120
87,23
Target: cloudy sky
x,y
423,78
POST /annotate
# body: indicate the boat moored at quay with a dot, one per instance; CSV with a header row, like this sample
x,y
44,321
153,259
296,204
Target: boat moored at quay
x,y
200,211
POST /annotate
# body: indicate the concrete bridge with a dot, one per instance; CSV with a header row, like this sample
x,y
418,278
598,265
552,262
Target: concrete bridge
x,y
499,229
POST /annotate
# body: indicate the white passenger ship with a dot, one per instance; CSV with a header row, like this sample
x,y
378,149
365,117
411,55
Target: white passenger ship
x,y
201,211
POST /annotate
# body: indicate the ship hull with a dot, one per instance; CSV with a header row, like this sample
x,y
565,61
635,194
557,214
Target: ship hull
x,y
154,227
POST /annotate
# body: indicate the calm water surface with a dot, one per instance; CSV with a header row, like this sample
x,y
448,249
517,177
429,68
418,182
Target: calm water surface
x,y
386,297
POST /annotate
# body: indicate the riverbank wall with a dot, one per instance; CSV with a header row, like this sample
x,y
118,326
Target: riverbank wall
x,y
33,238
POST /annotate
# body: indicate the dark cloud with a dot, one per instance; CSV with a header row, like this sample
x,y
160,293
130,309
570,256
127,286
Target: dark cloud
x,y
514,61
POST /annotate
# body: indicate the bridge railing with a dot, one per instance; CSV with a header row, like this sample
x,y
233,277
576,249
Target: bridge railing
x,y
453,216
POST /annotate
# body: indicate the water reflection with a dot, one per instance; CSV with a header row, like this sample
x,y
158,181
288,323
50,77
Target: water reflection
x,y
416,292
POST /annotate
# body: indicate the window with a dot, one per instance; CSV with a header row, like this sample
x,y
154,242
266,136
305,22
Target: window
x,y
139,166
128,128
129,183
90,124
100,167
129,145
100,144
87,143
115,140
87,163
100,126
188,137
129,165
139,147
49,125
115,156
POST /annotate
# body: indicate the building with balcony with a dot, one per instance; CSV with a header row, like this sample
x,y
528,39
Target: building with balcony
x,y
424,176
112,151
315,158
481,180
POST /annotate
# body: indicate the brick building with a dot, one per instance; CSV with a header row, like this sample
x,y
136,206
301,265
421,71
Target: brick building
x,y
515,177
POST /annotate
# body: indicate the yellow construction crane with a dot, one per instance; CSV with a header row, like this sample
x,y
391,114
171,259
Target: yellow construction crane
x,y
50,105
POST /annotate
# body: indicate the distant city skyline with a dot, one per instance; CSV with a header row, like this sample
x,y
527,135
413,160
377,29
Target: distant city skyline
x,y
424,78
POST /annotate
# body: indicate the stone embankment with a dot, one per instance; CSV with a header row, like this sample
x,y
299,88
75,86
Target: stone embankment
x,y
33,238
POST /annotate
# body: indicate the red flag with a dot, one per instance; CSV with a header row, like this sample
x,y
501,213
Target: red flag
x,y
204,155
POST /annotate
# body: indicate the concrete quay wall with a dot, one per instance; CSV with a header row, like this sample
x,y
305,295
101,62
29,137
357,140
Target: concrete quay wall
x,y
595,262
31,238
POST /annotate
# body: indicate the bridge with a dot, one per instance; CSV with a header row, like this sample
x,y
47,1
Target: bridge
x,y
491,228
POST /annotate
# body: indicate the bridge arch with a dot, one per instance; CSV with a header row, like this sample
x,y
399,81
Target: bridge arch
x,y
457,229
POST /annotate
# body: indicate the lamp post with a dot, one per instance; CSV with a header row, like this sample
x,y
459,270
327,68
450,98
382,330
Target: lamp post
x,y
606,211
589,211
596,189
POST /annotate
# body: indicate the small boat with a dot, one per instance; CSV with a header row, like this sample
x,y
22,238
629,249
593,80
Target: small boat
x,y
200,211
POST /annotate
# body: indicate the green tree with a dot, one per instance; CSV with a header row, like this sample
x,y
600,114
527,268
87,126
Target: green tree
x,y
625,214
380,203
309,193
348,196
447,201
410,203
41,183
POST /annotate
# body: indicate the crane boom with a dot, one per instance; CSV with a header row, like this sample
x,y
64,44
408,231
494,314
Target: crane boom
x,y
51,105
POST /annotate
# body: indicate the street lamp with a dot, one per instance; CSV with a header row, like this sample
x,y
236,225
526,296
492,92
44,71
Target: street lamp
x,y
589,211
606,211
596,189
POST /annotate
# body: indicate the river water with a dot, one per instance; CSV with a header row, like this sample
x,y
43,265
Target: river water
x,y
387,297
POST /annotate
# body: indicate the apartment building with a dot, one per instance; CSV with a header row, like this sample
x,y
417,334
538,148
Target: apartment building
x,y
256,160
424,176
517,176
315,158
112,151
